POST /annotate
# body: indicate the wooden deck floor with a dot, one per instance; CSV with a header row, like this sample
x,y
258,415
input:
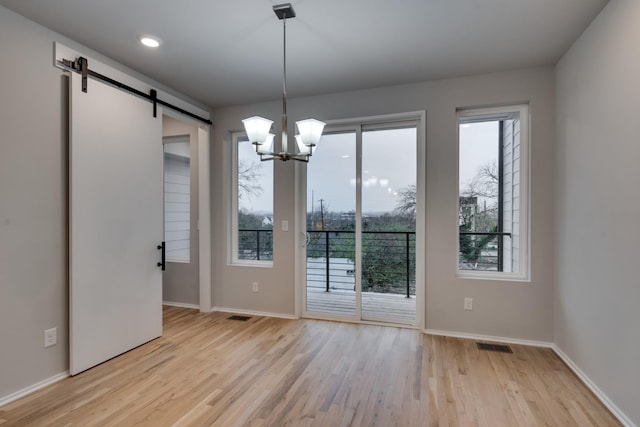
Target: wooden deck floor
x,y
391,308
208,370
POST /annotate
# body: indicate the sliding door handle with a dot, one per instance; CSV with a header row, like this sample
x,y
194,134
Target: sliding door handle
x,y
162,263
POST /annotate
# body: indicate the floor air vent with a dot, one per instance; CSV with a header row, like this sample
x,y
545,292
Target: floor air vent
x,y
494,347
240,318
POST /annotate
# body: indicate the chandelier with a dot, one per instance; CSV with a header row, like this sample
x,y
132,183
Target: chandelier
x,y
258,128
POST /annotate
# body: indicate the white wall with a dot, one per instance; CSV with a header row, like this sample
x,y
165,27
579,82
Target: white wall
x,y
33,206
597,320
506,309
33,201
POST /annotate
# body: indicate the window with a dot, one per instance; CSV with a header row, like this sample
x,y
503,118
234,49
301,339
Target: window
x,y
177,203
493,193
252,205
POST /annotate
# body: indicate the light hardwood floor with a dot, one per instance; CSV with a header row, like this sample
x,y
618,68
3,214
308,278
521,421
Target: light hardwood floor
x,y
208,370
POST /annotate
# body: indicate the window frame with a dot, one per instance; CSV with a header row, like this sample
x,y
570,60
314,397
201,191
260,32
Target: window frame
x,y
497,113
235,138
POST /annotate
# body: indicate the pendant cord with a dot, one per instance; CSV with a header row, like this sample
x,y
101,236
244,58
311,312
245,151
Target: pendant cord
x,y
284,86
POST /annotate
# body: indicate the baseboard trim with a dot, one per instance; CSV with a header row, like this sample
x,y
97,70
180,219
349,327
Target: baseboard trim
x,y
254,313
594,388
492,338
33,387
181,304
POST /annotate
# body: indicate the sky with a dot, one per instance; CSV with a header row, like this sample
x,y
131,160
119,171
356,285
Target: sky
x,y
478,146
262,202
388,167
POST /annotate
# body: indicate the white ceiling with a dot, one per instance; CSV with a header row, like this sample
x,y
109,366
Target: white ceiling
x,y
226,53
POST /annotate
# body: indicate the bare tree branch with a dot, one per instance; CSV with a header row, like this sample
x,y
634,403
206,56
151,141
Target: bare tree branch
x,y
248,180
489,171
484,183
406,203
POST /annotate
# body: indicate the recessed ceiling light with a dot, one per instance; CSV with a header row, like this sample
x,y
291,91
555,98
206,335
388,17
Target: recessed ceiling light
x,y
149,41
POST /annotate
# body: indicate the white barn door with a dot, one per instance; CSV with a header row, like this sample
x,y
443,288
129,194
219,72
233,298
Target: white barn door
x,y
116,223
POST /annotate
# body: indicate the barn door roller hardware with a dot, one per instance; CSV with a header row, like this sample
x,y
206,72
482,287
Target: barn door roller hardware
x,y
81,66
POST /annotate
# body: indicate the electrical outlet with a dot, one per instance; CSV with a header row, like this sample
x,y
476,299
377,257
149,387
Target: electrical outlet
x,y
468,303
285,225
50,337
256,287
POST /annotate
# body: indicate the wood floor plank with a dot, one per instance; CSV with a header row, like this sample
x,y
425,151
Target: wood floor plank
x,y
208,370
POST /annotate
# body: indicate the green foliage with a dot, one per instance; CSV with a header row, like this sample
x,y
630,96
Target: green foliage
x,y
384,247
384,252
473,220
384,262
255,236
250,221
471,246
341,244
479,214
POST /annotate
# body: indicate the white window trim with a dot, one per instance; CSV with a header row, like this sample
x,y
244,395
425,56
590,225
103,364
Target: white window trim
x,y
524,275
233,213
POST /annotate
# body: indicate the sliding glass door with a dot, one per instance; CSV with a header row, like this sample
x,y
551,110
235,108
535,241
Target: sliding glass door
x,y
388,218
331,226
361,224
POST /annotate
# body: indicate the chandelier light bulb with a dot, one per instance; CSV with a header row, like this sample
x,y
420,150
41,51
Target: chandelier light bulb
x,y
267,146
302,147
257,128
310,131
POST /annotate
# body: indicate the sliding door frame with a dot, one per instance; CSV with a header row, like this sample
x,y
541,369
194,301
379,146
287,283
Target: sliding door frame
x,y
358,126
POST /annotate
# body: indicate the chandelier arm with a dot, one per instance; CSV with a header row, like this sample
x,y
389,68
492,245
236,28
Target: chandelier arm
x,y
300,158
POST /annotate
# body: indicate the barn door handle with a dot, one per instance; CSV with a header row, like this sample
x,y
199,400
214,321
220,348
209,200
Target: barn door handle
x,y
162,263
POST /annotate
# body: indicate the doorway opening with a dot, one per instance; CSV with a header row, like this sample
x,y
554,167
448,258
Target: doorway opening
x,y
180,281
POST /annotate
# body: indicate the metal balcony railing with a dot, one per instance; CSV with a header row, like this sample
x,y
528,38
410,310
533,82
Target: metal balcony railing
x,y
388,258
255,244
388,261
